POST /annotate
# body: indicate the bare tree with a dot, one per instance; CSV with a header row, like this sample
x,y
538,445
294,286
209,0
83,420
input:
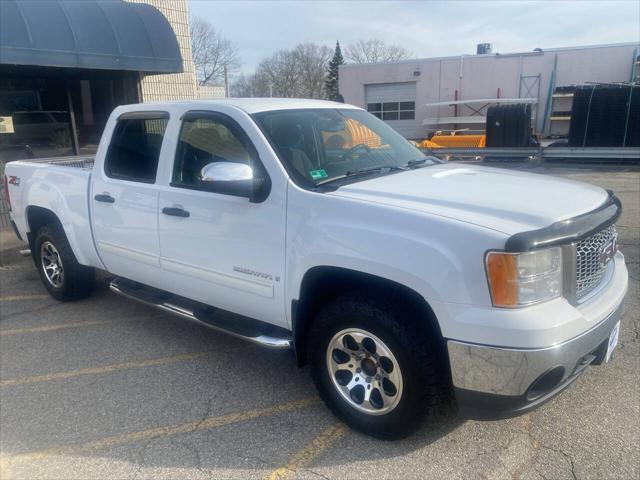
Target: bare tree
x,y
372,51
211,52
254,85
242,87
312,61
298,73
281,72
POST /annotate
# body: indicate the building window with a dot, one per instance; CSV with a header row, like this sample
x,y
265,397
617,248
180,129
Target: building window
x,y
393,110
36,111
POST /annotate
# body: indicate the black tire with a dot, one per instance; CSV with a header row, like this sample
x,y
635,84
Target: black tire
x,y
425,384
77,281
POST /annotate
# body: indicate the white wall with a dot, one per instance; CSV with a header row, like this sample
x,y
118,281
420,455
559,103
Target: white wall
x,y
480,76
210,91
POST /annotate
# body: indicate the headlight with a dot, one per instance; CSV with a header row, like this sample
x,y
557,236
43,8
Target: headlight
x,y
519,279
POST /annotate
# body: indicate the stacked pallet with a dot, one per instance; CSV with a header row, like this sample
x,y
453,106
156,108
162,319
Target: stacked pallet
x,y
509,125
605,116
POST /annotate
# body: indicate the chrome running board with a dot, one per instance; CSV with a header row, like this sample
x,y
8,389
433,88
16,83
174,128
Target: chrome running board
x,y
254,331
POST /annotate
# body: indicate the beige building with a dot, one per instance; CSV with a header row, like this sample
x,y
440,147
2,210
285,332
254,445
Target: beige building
x,y
176,86
172,86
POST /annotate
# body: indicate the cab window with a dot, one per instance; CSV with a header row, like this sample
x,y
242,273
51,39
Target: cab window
x,y
134,151
204,140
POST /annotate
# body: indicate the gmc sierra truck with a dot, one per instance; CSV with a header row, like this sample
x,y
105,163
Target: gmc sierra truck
x,y
404,282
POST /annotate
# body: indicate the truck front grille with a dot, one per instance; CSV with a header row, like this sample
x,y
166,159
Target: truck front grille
x,y
589,269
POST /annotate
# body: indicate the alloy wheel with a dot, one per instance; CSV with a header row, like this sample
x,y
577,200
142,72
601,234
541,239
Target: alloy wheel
x,y
364,371
51,264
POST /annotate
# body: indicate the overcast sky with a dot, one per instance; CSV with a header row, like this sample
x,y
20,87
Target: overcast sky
x,y
426,28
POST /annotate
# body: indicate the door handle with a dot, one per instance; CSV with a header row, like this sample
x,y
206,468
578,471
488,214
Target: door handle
x,y
104,197
175,212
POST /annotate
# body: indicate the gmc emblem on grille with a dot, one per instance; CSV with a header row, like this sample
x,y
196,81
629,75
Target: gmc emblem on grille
x,y
608,251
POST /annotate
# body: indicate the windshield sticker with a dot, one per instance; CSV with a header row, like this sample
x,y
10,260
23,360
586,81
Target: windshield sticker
x,y
318,174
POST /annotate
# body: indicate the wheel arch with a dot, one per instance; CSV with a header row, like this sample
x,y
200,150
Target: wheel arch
x,y
79,236
37,217
323,283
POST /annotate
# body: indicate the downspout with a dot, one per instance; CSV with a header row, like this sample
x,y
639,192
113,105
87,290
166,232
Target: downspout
x,y
520,60
459,91
439,86
460,68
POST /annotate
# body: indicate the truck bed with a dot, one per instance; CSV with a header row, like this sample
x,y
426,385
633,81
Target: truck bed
x,y
80,161
61,186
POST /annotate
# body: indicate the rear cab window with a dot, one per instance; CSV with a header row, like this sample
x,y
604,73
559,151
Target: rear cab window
x,y
134,151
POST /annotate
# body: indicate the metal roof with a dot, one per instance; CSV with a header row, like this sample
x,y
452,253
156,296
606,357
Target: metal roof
x,y
92,34
536,52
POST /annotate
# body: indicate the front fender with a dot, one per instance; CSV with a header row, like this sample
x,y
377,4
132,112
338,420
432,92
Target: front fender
x,y
439,258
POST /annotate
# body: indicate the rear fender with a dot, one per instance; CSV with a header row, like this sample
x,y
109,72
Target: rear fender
x,y
69,209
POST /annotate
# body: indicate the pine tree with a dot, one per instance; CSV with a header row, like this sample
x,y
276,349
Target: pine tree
x,y
331,83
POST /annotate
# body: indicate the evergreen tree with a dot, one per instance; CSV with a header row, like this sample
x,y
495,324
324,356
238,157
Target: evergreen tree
x,y
331,83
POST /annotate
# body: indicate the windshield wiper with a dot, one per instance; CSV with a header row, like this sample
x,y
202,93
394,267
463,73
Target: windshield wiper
x,y
416,163
364,172
421,161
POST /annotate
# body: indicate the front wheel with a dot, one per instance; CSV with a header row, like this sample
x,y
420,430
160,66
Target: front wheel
x,y
63,277
374,367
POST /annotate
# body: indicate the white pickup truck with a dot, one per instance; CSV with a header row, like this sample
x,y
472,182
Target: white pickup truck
x,y
403,281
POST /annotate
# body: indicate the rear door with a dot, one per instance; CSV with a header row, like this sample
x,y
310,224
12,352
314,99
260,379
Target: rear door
x,y
124,198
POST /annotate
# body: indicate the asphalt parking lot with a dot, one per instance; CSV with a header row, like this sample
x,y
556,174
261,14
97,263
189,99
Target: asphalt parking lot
x,y
108,388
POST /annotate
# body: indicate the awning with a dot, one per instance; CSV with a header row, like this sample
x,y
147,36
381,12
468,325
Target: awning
x,y
92,34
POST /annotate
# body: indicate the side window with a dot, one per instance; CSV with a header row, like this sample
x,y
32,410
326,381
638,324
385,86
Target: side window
x,y
135,148
205,140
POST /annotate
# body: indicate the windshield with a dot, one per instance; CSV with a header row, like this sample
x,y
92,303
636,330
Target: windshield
x,y
323,146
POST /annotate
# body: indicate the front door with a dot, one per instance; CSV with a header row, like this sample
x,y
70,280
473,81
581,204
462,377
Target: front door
x,y
124,198
215,248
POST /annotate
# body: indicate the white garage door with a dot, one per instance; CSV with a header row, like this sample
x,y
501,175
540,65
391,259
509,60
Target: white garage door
x,y
395,103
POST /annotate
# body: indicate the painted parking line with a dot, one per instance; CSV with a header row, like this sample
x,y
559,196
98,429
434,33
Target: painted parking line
x,y
101,370
309,452
59,326
5,472
10,268
18,298
160,432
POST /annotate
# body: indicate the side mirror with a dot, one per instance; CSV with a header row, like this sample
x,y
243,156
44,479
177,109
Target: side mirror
x,y
232,178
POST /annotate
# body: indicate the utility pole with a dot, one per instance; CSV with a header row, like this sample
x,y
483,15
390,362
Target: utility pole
x,y
226,82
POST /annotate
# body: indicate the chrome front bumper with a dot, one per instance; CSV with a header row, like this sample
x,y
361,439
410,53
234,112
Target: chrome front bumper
x,y
499,382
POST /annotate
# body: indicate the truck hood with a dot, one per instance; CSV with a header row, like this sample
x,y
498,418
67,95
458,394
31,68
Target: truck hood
x,y
507,201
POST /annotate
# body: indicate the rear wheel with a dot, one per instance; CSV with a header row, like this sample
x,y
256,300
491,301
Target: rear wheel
x,y
374,367
63,277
